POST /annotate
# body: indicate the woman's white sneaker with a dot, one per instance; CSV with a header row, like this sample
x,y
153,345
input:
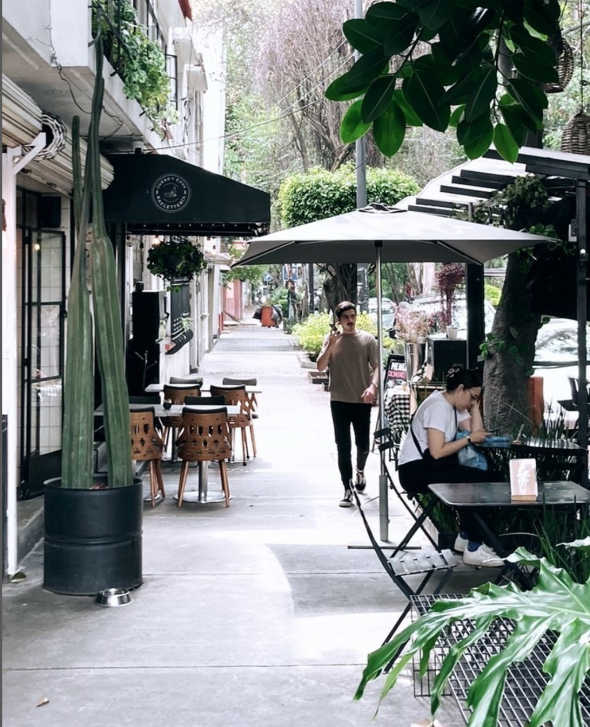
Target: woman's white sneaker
x,y
484,557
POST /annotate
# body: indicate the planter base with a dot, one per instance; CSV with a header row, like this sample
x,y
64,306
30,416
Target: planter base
x,y
93,539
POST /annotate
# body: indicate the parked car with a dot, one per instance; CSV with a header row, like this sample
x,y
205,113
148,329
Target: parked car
x,y
556,359
388,308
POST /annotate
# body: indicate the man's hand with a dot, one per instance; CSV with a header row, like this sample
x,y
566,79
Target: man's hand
x,y
369,395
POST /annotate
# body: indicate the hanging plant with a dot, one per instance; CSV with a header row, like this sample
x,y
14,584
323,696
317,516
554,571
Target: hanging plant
x,y
176,259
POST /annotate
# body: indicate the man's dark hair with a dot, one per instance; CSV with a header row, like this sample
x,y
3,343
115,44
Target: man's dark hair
x,y
344,306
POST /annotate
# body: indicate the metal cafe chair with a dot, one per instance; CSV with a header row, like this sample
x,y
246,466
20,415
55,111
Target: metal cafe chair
x,y
147,446
237,395
205,437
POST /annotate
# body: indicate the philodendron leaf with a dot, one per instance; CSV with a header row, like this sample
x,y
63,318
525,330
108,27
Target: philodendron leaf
x,y
425,94
556,603
389,130
505,144
353,127
583,544
377,98
363,36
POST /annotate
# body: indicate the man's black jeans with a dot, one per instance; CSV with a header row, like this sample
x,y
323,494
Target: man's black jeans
x,y
345,415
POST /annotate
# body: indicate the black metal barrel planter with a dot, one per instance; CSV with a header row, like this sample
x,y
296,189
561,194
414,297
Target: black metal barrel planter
x,y
92,538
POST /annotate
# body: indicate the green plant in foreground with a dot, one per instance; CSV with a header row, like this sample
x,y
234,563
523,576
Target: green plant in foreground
x,y
557,604
78,423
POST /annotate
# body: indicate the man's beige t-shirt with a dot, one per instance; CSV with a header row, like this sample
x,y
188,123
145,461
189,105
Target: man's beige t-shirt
x,y
352,360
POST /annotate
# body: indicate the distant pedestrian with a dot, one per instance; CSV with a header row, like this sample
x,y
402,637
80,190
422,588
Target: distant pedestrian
x,y
352,359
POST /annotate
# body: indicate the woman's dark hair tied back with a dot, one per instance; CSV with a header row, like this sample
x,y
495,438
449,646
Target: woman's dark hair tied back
x,y
458,374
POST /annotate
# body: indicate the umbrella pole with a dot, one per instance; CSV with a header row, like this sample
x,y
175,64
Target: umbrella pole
x,y
383,486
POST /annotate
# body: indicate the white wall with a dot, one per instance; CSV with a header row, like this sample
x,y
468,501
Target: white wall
x,y
214,58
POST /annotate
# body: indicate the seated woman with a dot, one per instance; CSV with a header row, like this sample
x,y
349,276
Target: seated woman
x,y
429,453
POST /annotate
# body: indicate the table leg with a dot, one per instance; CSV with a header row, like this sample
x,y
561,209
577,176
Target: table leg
x,y
202,496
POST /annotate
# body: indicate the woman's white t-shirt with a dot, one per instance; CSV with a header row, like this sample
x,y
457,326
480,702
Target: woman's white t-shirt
x,y
434,413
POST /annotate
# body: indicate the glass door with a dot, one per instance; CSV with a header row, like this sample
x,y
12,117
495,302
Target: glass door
x,y
42,357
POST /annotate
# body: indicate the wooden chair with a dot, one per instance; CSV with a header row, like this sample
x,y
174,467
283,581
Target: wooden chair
x,y
236,395
205,401
147,446
149,400
229,381
205,437
194,380
176,394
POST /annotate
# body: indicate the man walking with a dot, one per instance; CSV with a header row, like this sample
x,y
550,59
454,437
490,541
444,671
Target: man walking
x,y
353,362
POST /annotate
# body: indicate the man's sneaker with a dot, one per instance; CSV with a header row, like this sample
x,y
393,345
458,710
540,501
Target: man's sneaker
x,y
483,556
460,544
361,482
347,499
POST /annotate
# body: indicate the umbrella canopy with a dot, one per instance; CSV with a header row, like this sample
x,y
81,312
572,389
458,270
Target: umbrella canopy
x,y
406,236
379,233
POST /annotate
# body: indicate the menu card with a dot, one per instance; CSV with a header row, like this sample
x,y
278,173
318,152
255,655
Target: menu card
x,y
523,479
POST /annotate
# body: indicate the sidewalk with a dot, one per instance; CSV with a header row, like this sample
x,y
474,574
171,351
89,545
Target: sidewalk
x,y
255,615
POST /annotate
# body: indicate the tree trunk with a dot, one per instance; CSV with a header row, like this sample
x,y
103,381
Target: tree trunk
x,y
340,284
506,371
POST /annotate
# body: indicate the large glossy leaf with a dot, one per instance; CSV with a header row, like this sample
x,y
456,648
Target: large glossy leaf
x,y
516,119
537,51
435,13
505,143
482,93
362,35
543,15
380,14
377,98
556,604
531,98
425,95
400,36
368,67
457,116
389,130
412,119
343,90
353,127
477,135
528,68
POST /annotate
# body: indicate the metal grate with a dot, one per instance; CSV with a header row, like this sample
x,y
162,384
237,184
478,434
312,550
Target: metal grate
x,y
525,680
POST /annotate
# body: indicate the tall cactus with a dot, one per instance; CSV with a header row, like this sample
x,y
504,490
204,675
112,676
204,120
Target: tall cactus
x,y
79,382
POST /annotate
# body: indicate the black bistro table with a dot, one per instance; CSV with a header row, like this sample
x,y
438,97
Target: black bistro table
x,y
479,496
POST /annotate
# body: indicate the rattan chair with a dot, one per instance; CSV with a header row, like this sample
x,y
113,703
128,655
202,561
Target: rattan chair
x,y
147,446
176,394
205,437
236,395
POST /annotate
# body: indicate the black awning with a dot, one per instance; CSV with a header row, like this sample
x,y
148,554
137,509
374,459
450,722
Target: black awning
x,y
158,193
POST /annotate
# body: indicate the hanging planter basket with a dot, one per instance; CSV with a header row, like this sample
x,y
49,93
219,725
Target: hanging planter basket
x,y
576,135
176,260
565,70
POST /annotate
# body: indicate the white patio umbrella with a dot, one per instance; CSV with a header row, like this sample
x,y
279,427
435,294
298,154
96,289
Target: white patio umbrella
x,y
379,233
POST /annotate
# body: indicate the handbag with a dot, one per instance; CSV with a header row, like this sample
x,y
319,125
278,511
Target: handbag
x,y
470,456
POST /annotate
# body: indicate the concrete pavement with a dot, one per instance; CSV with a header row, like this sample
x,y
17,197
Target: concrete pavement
x,y
254,615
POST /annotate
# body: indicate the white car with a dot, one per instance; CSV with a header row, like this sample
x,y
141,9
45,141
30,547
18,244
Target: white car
x,y
556,359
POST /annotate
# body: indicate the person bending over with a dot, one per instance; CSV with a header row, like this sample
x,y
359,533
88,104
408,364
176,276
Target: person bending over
x,y
429,453
352,359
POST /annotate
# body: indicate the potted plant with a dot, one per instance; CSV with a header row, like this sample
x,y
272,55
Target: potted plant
x,y
93,521
176,260
412,327
557,603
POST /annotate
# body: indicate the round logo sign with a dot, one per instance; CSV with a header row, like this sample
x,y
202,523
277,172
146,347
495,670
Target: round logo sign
x,y
171,193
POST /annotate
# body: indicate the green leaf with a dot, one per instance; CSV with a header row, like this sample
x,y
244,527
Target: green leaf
x,y
536,51
484,91
362,35
531,98
556,603
435,13
505,143
399,38
412,119
377,98
342,90
353,127
389,130
543,16
457,115
368,67
380,14
534,71
425,95
476,135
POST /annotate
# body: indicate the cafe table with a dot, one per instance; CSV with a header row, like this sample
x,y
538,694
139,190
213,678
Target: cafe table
x,y
479,496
